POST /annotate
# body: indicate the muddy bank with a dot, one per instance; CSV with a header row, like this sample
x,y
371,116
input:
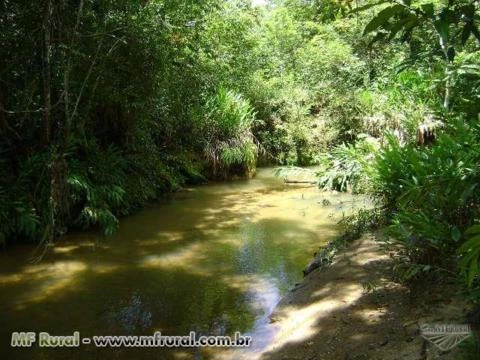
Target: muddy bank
x,y
354,310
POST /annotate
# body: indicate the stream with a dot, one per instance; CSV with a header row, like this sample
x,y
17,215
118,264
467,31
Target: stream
x,y
213,259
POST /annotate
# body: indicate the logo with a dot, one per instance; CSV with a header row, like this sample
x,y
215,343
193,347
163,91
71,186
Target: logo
x,y
445,336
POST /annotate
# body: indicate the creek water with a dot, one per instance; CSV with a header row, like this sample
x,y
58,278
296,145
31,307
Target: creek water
x,y
214,259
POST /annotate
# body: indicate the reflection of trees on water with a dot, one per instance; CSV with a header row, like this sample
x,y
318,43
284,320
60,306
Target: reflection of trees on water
x,y
131,316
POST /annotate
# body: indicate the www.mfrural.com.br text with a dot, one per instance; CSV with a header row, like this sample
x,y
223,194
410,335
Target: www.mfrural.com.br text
x,y
46,340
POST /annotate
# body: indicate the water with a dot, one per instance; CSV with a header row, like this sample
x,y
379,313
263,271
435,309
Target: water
x,y
213,259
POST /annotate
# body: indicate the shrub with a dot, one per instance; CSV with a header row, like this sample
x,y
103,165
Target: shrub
x,y
225,122
96,186
431,192
350,167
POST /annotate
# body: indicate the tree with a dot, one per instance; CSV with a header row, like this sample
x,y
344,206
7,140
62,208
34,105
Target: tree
x,y
453,23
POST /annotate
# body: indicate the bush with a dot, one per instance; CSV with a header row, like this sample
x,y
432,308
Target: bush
x,y
96,185
431,192
350,167
24,197
225,123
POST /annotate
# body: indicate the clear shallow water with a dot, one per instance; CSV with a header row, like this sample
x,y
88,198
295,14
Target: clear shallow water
x,y
213,259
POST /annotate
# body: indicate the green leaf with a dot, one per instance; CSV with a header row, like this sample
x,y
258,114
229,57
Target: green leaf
x,y
466,32
451,54
428,9
470,252
475,32
377,37
456,234
368,6
443,29
382,18
468,192
473,270
468,11
407,23
473,230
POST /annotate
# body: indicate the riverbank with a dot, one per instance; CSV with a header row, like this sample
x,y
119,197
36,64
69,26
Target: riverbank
x,y
354,309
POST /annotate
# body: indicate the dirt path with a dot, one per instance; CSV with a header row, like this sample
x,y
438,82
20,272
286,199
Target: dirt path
x,y
332,315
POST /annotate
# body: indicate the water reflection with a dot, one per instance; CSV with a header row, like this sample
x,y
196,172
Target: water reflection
x,y
215,259
131,317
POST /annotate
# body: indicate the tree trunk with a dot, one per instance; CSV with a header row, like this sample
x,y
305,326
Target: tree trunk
x,y
47,86
448,82
3,118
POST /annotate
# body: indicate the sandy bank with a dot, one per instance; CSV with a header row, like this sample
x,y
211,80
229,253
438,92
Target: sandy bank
x,y
354,310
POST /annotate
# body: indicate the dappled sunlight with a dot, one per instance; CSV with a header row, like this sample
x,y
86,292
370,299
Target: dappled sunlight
x,y
358,337
69,250
38,272
28,273
299,324
162,237
303,172
261,290
65,249
219,259
374,315
103,269
240,282
49,280
335,312
188,259
322,291
182,355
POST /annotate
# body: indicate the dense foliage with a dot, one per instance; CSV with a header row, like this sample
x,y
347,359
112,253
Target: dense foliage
x,y
404,129
428,189
107,105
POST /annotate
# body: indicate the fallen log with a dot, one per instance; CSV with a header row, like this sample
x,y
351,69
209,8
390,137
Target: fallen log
x,y
299,182
323,258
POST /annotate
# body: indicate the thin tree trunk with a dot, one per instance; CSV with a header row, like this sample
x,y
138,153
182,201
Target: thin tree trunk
x,y
446,101
3,118
68,115
448,83
47,86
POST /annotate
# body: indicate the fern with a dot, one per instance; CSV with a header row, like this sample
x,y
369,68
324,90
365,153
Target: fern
x,y
470,254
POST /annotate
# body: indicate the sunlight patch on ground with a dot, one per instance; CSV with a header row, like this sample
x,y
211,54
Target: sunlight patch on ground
x,y
297,325
300,324
324,291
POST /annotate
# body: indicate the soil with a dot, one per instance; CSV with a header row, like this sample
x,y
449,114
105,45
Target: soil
x,y
354,309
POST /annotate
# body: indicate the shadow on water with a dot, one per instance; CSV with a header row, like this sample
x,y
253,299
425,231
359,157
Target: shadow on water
x,y
216,260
